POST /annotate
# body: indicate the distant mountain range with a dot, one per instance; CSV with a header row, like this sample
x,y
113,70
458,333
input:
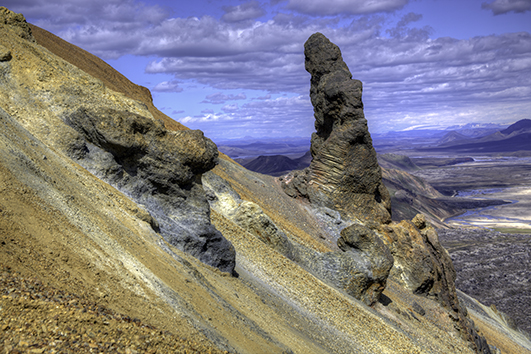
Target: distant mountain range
x,y
252,148
277,165
516,137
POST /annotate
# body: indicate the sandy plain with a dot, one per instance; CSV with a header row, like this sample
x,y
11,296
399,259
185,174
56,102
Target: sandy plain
x,y
507,179
514,217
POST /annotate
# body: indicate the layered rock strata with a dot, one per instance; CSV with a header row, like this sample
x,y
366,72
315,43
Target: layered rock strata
x,y
344,173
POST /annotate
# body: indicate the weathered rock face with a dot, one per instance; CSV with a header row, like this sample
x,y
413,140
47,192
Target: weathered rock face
x,y
158,169
17,23
425,267
114,137
344,173
370,261
245,214
421,263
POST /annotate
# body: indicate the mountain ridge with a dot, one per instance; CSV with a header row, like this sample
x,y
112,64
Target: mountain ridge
x,y
513,138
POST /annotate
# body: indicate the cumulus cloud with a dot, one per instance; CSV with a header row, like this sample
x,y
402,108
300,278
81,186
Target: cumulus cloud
x,y
246,11
500,7
230,107
168,86
349,7
282,116
56,14
402,30
407,74
220,98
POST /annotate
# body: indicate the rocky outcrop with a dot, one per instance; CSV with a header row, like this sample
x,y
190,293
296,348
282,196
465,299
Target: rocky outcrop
x,y
423,266
360,268
421,263
158,169
245,214
114,137
344,173
17,23
363,266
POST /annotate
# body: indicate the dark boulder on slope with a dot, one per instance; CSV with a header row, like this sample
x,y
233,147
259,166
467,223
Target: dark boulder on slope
x,y
114,137
158,169
344,173
360,239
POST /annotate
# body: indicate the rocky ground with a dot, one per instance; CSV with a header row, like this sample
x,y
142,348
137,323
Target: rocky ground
x,y
35,318
494,268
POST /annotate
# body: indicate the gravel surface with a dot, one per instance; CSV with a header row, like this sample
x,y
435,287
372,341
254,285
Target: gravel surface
x,y
35,318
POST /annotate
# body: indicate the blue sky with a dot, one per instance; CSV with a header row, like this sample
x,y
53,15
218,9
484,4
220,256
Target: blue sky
x,y
236,68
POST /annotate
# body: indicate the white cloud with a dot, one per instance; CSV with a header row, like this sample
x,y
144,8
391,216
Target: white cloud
x,y
350,7
500,7
220,98
167,86
230,107
282,116
56,14
246,11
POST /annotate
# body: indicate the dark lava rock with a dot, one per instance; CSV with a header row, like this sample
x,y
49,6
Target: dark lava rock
x,y
158,169
494,268
344,173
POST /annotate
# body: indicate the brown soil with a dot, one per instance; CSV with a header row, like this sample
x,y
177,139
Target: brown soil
x,y
35,318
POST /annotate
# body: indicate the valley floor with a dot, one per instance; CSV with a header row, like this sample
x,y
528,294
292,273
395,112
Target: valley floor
x,y
494,268
514,217
488,177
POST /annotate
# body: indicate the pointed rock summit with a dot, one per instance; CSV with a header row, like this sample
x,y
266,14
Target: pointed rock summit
x,y
344,173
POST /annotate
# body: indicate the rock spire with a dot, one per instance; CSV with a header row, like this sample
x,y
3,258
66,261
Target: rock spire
x,y
344,173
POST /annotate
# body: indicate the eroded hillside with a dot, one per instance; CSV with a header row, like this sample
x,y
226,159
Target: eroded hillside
x,y
105,206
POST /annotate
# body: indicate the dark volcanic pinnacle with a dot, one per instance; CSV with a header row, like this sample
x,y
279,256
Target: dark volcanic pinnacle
x,y
344,173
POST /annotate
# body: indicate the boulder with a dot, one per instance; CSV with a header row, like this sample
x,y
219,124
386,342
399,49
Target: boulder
x,y
247,215
361,241
344,173
158,169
